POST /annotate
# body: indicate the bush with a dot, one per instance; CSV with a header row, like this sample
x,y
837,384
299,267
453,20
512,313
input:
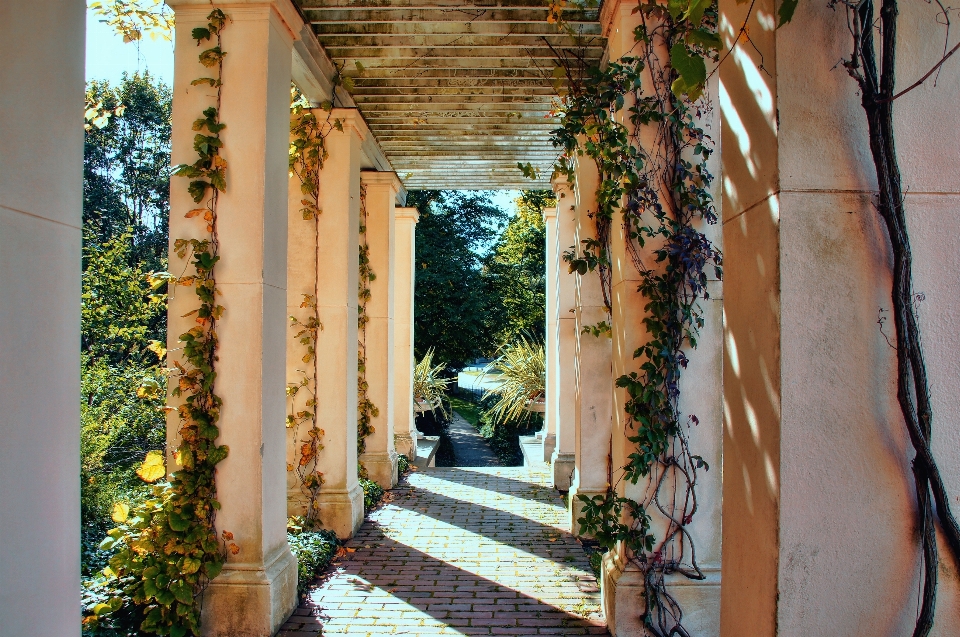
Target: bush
x,y
504,437
314,551
372,494
403,464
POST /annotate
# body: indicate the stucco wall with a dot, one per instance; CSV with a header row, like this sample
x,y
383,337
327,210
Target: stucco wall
x,y
818,528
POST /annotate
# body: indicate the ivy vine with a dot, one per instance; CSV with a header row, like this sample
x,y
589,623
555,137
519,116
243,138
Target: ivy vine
x,y
659,190
366,410
167,548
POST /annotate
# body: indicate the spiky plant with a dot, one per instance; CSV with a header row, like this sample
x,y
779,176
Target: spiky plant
x,y
428,386
522,369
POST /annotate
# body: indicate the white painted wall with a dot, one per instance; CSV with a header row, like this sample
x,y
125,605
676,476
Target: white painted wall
x,y
41,194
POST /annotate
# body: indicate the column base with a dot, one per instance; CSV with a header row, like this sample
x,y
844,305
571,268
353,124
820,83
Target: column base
x,y
575,509
405,444
341,511
622,587
563,466
251,600
381,467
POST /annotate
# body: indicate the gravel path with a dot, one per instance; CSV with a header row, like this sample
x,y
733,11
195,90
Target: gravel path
x,y
469,446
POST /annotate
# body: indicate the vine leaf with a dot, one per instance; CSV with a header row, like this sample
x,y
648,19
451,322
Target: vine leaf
x,y
785,11
152,468
692,70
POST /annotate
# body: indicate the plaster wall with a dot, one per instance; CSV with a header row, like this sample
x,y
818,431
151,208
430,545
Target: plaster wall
x,y
341,499
819,524
380,457
41,198
405,428
252,273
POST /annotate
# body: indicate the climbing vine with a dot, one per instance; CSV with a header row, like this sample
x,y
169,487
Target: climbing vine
x,y
366,410
167,548
307,155
637,120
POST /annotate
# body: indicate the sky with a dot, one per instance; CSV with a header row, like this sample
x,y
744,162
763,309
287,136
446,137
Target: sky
x,y
108,57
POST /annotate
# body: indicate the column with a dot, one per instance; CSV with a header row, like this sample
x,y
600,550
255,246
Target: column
x,y
594,395
41,198
563,460
380,457
404,275
551,406
256,591
341,498
818,492
622,582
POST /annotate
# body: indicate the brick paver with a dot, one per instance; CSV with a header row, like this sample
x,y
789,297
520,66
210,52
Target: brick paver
x,y
459,552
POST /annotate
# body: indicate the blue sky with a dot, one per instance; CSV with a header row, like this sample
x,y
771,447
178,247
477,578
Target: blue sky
x,y
108,57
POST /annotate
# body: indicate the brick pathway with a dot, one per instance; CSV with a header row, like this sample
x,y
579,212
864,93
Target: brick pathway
x,y
459,552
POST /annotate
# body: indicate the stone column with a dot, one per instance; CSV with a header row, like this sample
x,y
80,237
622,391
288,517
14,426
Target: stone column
x,y
257,589
563,459
819,526
552,405
341,498
622,582
380,457
594,395
41,199
405,427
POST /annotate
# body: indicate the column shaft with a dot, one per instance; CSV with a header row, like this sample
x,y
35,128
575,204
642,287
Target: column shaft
x,y
551,408
41,199
257,589
341,498
564,454
405,427
380,457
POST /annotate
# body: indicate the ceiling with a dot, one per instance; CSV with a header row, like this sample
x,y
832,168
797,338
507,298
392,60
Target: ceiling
x,y
456,91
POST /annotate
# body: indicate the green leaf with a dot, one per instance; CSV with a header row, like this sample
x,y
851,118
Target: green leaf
x,y
787,7
200,34
692,70
694,13
182,591
704,38
677,7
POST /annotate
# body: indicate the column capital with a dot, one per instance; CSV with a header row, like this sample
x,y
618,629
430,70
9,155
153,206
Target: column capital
x,y
351,118
407,214
288,13
549,213
382,177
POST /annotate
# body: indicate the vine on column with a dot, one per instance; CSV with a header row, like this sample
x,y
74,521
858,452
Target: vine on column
x,y
167,548
366,410
307,155
658,189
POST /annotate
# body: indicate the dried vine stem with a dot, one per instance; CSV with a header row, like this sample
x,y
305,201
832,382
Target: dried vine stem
x,y
877,89
366,410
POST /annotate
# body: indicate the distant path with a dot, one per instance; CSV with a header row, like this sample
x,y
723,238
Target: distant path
x,y
470,448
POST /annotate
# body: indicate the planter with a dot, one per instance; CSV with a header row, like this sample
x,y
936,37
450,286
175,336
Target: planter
x,y
537,407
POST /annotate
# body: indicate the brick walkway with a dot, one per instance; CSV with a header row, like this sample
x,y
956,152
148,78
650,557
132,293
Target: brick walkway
x,y
459,552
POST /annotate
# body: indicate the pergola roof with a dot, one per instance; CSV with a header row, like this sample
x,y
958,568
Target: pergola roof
x,y
456,91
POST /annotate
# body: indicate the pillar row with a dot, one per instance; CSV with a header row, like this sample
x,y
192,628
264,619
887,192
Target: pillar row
x,y
405,427
380,457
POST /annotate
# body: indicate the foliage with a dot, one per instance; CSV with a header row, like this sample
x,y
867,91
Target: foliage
x,y
366,410
403,464
522,370
314,550
659,190
133,18
126,168
450,300
468,409
515,270
429,386
372,494
167,548
504,437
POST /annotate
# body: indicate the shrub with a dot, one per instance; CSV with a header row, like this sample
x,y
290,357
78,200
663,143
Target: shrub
x,y
403,464
372,494
522,370
314,551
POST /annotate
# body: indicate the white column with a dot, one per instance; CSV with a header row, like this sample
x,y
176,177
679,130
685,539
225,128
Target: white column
x,y
380,457
552,404
594,394
818,491
564,454
341,498
257,589
41,197
404,274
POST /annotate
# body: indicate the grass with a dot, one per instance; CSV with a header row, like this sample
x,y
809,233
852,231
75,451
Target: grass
x,y
466,408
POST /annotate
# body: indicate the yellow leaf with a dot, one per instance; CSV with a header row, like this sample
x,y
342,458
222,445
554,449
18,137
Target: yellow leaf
x,y
195,212
152,468
120,512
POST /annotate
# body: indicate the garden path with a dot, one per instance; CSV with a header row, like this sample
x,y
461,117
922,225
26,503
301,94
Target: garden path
x,y
481,551
469,447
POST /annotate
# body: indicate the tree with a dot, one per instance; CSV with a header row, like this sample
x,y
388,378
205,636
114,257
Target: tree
x,y
514,273
453,237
